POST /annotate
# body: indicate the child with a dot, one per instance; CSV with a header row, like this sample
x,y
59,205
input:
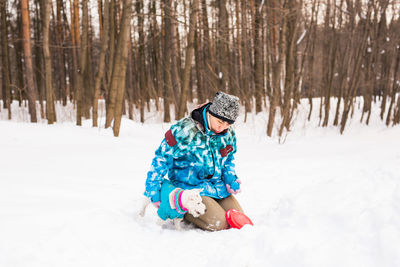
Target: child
x,y
197,152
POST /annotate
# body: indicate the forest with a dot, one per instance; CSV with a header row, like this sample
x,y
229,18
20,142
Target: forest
x,y
272,54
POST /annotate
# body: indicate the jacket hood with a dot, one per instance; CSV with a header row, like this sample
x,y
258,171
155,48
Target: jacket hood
x,y
199,115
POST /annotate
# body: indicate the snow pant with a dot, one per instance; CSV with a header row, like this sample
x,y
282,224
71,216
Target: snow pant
x,y
214,217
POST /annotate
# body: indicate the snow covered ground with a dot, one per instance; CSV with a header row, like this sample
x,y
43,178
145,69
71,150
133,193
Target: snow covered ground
x,y
70,196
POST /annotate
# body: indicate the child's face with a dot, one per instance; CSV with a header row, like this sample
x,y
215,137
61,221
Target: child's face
x,y
218,125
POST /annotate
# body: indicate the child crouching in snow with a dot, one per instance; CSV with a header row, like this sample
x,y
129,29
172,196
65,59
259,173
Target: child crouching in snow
x,y
198,152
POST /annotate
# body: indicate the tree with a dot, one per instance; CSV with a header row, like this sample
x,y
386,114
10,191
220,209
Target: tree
x,y
82,57
117,88
289,33
167,85
5,59
258,59
50,109
222,43
188,59
63,92
102,58
31,90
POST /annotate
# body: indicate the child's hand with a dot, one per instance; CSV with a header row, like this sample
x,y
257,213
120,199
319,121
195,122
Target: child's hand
x,y
234,187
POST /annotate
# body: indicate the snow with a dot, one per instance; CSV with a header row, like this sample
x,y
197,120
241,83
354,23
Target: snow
x,y
261,6
70,196
301,37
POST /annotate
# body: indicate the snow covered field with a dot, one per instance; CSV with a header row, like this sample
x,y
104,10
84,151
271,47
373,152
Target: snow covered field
x,y
69,196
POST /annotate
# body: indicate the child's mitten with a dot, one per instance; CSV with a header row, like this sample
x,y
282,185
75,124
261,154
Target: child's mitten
x,y
234,187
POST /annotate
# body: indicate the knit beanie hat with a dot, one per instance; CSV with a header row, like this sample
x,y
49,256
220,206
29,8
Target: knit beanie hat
x,y
225,107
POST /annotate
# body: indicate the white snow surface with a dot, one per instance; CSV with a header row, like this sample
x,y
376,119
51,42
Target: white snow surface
x,y
70,196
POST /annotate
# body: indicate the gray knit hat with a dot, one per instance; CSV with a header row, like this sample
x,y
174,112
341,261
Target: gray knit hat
x,y
225,107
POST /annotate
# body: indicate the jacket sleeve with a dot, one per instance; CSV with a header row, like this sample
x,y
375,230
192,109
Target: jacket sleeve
x,y
228,169
160,165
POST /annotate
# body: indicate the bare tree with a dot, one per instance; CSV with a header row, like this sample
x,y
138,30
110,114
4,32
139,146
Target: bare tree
x,y
31,90
82,58
167,86
50,109
119,70
222,43
102,58
258,59
188,58
5,60
277,47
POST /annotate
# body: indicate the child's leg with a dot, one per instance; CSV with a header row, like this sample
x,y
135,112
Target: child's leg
x,y
213,219
230,203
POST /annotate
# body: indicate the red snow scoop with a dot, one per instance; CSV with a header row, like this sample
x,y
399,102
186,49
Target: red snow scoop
x,y
237,219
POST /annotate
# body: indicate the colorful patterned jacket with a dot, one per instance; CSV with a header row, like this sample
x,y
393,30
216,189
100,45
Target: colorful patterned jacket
x,y
194,157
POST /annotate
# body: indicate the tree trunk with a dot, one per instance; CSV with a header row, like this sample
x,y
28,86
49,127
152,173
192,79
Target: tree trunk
x,y
395,87
141,59
311,56
119,71
188,59
199,60
246,59
60,54
156,42
19,76
223,41
258,59
289,32
31,90
102,58
5,60
330,65
111,52
211,84
239,48
167,87
175,61
37,56
88,79
354,81
276,59
50,109
82,58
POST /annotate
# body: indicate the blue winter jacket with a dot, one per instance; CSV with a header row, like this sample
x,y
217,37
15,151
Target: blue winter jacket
x,y
194,157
